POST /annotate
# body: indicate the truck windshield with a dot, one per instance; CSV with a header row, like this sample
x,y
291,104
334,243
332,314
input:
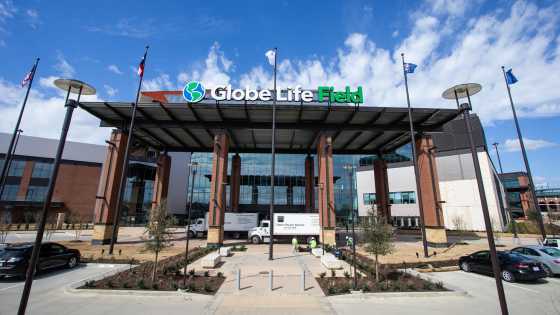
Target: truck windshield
x,y
264,224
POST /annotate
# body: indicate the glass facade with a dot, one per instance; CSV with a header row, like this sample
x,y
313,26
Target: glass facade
x,y
137,197
255,188
395,198
42,170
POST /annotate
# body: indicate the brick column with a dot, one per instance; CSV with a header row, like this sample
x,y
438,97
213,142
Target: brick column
x,y
217,202
161,182
433,217
326,194
108,189
25,180
235,182
309,184
382,189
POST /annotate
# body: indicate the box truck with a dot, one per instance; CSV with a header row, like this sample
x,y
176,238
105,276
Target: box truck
x,y
287,225
236,224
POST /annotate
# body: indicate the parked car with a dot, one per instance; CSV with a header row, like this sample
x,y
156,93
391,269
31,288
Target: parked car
x,y
513,266
14,258
552,242
548,256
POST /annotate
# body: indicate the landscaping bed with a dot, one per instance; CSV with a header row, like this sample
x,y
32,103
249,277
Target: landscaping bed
x,y
390,281
169,276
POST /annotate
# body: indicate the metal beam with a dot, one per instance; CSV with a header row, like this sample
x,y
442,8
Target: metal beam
x,y
187,131
370,140
165,130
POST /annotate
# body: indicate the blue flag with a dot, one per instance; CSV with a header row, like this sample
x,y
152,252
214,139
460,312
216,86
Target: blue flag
x,y
510,78
409,67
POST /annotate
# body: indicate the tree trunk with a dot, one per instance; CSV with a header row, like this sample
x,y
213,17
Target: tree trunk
x,y
155,269
376,269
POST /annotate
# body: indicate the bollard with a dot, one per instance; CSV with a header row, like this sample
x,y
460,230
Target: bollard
x,y
270,277
238,280
303,280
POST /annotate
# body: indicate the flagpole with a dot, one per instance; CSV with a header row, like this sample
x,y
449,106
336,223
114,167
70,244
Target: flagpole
x,y
124,170
271,211
415,164
8,157
526,161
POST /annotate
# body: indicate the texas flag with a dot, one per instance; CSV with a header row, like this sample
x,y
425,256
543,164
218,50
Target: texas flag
x,y
141,66
28,77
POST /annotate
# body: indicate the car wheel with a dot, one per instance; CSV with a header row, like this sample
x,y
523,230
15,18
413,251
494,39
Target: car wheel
x,y
508,276
548,271
72,262
255,240
465,266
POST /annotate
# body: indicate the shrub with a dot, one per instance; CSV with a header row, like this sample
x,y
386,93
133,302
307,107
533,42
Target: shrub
x,y
439,285
220,274
207,287
90,284
333,273
155,286
322,275
331,290
365,288
141,284
243,248
191,287
126,285
191,272
346,275
110,284
428,285
207,273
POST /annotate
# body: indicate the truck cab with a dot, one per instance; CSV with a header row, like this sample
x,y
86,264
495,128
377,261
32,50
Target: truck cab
x,y
198,228
259,233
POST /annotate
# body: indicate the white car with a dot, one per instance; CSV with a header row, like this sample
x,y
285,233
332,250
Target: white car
x,y
552,242
548,256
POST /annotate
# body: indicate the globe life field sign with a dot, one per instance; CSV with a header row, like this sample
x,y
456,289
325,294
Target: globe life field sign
x,y
194,92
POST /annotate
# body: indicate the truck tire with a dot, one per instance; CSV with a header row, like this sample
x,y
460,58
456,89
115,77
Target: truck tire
x,y
236,235
255,239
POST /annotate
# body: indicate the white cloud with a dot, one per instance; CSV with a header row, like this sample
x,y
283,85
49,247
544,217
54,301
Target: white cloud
x,y
111,91
216,69
115,69
64,68
44,115
32,17
512,145
159,83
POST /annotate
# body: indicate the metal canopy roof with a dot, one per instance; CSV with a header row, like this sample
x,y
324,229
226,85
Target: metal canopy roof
x,y
191,127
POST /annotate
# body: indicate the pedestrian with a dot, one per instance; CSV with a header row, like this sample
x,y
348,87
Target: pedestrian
x,y
349,241
295,244
313,243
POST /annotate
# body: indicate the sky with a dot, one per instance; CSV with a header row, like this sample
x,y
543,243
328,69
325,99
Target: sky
x,y
335,43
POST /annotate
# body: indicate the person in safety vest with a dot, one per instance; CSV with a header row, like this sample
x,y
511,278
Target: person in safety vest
x,y
295,244
313,243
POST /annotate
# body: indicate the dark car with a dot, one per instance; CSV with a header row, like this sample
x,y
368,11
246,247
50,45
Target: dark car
x,y
14,258
514,267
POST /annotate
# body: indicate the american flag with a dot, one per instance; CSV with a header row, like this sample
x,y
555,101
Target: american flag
x,y
28,77
141,66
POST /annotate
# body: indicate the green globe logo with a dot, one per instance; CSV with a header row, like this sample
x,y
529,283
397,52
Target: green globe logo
x,y
194,92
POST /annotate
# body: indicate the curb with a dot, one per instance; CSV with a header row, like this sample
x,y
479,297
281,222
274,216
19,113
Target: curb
x,y
384,295
426,276
73,288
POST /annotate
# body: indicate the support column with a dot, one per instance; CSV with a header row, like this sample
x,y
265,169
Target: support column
x,y
235,182
108,189
326,190
309,184
433,216
217,202
161,182
254,194
382,189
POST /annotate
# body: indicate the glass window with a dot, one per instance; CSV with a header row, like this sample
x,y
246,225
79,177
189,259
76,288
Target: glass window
x,y
369,198
42,170
10,192
16,168
36,193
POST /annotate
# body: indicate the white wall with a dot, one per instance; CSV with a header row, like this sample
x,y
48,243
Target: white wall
x,y
458,188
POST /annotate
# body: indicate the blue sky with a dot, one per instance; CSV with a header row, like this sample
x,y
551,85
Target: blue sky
x,y
339,43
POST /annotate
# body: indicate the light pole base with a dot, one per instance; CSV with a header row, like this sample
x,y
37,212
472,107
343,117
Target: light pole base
x,y
102,234
330,236
436,237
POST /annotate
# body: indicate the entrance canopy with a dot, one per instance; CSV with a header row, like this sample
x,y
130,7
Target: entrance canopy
x,y
190,127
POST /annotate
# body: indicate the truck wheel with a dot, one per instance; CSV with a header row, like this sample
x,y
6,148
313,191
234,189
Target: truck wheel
x,y
236,235
255,240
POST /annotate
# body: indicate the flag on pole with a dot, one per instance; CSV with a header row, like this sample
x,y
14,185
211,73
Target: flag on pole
x,y
510,78
270,55
28,77
409,67
141,66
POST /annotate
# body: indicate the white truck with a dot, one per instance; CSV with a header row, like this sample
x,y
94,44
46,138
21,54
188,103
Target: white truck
x,y
287,225
236,224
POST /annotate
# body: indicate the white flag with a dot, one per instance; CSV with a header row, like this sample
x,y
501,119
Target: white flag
x,y
270,55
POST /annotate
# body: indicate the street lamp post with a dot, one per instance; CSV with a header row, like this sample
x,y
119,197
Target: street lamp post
x,y
71,86
465,91
321,187
350,169
187,231
495,144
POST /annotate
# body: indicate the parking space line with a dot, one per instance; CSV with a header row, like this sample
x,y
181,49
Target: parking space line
x,y
522,288
11,287
475,275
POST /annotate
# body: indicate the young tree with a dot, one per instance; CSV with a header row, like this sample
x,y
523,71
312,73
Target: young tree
x,y
157,230
497,228
378,238
76,220
460,226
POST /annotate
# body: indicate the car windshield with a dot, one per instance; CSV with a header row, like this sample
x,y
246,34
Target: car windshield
x,y
554,252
